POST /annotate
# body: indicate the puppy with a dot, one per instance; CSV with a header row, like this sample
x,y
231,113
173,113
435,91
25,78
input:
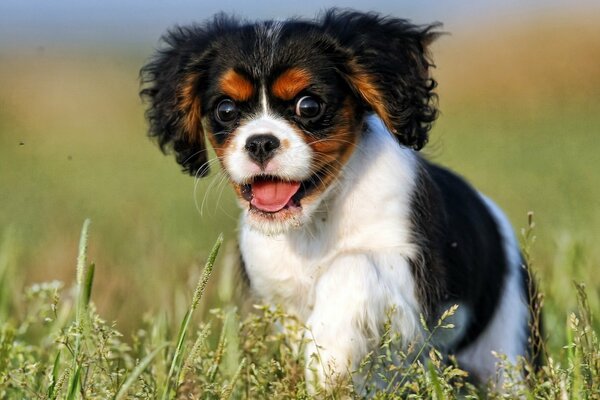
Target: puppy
x,y
317,124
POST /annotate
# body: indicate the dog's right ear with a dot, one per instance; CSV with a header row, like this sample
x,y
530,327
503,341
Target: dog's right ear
x,y
172,82
387,64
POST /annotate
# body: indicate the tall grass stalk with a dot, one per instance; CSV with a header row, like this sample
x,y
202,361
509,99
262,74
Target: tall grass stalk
x,y
176,364
7,275
85,277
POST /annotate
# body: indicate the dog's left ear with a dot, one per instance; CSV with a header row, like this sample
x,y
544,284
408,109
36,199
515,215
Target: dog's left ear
x,y
385,61
171,84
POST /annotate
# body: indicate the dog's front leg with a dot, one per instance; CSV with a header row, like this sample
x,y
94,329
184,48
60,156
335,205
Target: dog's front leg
x,y
344,325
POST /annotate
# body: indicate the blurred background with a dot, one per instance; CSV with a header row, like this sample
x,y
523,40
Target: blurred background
x,y
519,87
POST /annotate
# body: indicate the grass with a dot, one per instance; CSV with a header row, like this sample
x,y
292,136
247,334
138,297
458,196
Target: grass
x,y
61,348
518,120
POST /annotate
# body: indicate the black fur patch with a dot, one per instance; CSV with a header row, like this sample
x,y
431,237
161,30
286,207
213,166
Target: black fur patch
x,y
462,258
382,61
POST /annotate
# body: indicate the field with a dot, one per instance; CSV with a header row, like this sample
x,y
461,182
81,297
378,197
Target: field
x,y
520,118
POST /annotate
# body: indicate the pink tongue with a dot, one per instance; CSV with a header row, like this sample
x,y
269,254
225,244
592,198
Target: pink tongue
x,y
272,196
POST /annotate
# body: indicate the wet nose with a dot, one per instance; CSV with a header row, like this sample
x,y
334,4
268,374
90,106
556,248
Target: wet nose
x,y
261,148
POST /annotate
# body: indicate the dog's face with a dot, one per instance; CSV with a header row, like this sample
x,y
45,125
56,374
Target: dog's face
x,y
281,120
283,103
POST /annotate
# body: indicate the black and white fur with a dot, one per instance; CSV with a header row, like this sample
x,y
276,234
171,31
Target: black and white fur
x,y
389,229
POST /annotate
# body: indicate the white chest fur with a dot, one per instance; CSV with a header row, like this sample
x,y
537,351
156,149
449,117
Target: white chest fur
x,y
352,258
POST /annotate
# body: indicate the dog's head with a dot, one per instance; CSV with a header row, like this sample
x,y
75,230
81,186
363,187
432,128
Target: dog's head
x,y
283,103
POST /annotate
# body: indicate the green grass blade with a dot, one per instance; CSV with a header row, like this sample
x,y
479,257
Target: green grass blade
x,y
86,293
571,361
200,340
74,384
7,273
435,382
212,373
85,276
178,355
227,392
208,267
54,377
82,254
84,285
137,371
177,361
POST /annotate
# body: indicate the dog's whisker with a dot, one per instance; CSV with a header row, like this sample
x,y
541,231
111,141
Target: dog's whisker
x,y
209,163
221,185
216,181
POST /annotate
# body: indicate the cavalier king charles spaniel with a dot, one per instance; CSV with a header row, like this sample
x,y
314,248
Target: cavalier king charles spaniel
x,y
317,124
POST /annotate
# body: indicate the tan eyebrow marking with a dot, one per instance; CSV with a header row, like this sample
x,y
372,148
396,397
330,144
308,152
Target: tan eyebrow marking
x,y
236,86
290,83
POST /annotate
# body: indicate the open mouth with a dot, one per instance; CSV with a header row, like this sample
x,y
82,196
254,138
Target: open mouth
x,y
271,194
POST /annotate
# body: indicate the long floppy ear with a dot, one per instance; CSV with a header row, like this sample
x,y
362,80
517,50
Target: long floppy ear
x,y
171,84
387,64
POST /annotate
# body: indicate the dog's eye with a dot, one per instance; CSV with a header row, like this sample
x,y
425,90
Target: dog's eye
x,y
308,107
226,111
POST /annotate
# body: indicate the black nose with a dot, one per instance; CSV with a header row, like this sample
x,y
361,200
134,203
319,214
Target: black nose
x,y
261,148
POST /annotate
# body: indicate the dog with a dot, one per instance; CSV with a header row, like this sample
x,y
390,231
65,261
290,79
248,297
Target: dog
x,y
317,125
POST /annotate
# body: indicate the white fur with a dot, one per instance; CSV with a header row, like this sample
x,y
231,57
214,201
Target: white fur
x,y
337,273
290,162
507,331
346,265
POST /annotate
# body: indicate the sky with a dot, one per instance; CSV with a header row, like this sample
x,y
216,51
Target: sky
x,y
131,22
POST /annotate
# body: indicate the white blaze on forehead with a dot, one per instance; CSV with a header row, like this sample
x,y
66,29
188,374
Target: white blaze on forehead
x,y
263,100
292,160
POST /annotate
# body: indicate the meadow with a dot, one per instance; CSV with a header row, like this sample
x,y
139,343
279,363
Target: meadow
x,y
520,118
